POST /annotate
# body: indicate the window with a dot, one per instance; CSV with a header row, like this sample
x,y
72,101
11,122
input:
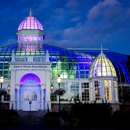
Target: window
x,y
53,87
26,96
34,96
65,96
74,91
97,85
85,91
115,90
107,89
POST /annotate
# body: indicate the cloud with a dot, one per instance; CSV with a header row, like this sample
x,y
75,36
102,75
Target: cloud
x,y
10,41
103,8
72,3
75,19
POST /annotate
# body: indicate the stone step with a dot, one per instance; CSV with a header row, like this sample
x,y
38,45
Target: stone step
x,y
33,117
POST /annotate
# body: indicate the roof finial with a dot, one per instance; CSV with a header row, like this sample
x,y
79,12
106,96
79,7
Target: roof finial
x,y
30,13
101,49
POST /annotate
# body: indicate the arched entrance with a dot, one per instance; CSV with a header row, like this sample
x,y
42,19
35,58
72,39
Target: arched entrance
x,y
30,92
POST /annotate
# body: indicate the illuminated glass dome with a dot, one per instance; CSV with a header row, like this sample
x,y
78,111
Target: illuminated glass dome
x,y
70,63
30,22
102,66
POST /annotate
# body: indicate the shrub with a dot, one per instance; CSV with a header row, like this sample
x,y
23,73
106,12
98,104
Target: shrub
x,y
51,119
9,117
91,114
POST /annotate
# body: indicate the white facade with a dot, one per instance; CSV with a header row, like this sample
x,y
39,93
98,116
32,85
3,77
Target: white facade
x,y
30,81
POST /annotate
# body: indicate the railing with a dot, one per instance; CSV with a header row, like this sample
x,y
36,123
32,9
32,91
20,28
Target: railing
x,y
29,58
39,59
7,97
20,59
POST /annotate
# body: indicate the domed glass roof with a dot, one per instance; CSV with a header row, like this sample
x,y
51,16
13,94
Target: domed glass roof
x,y
71,63
102,66
30,22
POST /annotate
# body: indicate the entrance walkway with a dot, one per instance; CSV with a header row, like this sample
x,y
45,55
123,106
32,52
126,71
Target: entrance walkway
x,y
31,117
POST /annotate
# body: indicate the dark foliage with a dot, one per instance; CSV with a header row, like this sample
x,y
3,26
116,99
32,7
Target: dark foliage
x,y
121,119
9,118
60,91
91,114
51,119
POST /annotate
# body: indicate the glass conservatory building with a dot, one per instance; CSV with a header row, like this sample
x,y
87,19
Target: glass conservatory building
x,y
31,67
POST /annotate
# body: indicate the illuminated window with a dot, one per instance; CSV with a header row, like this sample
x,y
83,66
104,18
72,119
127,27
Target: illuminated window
x,y
102,67
20,38
97,85
115,91
34,96
65,96
53,87
31,48
25,38
34,38
107,89
74,91
40,38
85,91
26,96
30,38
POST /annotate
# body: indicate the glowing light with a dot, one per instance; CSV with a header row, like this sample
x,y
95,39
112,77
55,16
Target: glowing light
x,y
30,23
30,75
102,67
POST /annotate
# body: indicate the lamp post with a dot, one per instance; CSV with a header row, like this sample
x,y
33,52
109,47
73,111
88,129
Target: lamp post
x,y
59,81
1,80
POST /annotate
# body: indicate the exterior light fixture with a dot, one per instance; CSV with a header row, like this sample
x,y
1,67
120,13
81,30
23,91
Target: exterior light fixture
x,y
1,80
8,88
59,81
52,87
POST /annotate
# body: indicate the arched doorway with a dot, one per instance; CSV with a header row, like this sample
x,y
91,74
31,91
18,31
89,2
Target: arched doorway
x,y
30,92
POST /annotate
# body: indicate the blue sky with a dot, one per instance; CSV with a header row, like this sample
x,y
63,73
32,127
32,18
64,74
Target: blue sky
x,y
71,23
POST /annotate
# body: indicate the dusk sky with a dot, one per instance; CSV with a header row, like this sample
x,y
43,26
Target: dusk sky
x,y
71,23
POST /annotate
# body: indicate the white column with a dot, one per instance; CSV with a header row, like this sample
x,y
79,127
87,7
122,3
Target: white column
x,y
12,91
117,92
48,89
93,91
102,90
90,91
18,98
47,56
80,91
42,99
68,91
112,90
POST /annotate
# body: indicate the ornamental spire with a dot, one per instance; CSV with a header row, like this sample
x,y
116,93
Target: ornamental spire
x,y
101,53
30,13
101,49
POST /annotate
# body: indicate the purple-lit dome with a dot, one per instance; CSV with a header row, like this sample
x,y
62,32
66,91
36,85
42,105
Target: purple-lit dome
x,y
30,22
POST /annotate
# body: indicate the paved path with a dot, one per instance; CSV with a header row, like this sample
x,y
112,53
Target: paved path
x,y
40,127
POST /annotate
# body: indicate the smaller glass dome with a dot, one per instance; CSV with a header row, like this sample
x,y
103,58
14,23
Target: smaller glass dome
x,y
102,66
30,22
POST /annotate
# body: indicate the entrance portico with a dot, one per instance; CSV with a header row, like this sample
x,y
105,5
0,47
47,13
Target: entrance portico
x,y
30,92
30,81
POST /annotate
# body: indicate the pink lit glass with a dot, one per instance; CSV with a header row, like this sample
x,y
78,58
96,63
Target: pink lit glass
x,y
31,48
30,75
34,38
25,38
20,38
40,38
30,38
30,23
